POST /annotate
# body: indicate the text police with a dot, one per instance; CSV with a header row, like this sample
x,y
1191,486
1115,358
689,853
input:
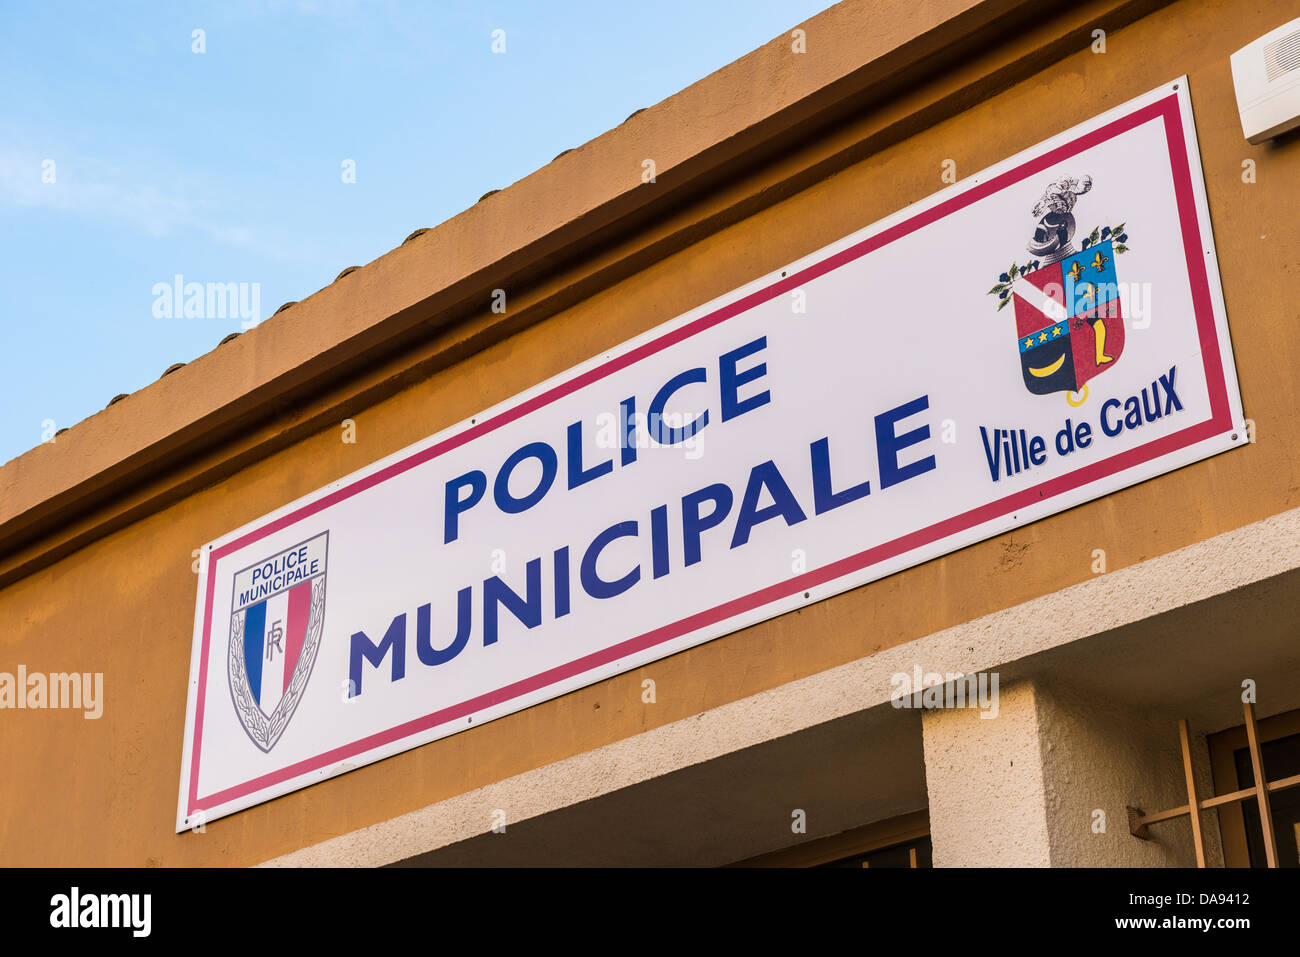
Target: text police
x,y
704,525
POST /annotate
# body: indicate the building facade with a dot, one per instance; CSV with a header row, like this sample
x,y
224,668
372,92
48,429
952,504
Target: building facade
x,y
1095,630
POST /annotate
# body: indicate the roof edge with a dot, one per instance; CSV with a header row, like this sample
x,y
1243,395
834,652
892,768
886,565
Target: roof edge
x,y
443,276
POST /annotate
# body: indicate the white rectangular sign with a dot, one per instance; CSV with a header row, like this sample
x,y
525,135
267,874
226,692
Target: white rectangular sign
x,y
1036,336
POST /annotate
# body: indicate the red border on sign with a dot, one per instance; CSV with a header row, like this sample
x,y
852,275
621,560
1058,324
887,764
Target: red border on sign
x,y
1218,422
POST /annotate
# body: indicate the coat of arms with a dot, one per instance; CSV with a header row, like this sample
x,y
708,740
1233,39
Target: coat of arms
x,y
275,632
1069,327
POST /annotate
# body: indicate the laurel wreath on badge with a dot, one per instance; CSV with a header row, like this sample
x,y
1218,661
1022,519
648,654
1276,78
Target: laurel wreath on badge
x,y
264,731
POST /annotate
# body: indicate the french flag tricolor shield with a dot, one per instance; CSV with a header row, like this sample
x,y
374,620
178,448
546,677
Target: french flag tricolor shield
x,y
275,631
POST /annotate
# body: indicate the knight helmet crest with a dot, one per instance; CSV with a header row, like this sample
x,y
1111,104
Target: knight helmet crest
x,y
1068,321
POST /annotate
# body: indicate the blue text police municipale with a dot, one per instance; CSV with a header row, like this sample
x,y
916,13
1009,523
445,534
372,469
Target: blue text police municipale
x,y
704,525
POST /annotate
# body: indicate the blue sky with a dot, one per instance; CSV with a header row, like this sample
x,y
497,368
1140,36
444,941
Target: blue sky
x,y
226,166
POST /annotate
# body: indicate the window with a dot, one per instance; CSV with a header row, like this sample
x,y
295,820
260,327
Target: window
x,y
1239,823
915,853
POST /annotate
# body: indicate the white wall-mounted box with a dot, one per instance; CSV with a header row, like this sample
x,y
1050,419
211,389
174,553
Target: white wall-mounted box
x,y
1266,76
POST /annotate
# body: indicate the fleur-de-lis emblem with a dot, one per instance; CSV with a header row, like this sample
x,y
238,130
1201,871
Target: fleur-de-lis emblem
x,y
1076,271
1098,262
1089,292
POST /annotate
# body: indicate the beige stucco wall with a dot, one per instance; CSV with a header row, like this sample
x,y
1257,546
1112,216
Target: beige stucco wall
x,y
985,779
1046,782
1103,754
